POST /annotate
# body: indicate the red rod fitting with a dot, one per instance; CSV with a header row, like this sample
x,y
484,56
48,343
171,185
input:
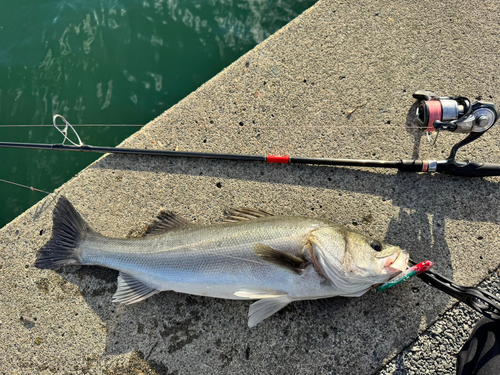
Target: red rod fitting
x,y
278,159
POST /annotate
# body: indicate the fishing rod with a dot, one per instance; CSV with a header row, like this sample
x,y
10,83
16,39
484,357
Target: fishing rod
x,y
454,114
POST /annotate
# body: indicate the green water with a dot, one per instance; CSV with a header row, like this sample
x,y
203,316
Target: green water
x,y
108,62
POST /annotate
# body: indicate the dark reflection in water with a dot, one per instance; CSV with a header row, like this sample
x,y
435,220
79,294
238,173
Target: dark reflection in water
x,y
109,62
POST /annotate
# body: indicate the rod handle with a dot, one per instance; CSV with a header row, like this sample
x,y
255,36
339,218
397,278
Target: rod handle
x,y
471,169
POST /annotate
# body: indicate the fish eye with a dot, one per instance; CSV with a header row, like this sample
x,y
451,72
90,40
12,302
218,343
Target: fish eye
x,y
377,246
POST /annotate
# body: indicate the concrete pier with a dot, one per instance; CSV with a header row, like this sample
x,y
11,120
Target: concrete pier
x,y
336,82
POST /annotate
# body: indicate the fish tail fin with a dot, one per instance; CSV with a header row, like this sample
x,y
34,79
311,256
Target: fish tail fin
x,y
68,230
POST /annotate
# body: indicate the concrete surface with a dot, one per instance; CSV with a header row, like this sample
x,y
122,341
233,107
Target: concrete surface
x,y
291,95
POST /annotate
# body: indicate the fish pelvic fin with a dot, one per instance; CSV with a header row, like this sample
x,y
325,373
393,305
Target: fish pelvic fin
x,y
130,290
264,308
68,230
243,214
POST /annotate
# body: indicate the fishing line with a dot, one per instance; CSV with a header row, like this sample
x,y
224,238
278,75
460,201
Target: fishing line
x,y
24,186
79,125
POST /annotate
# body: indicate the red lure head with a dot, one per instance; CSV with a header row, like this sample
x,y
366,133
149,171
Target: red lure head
x,y
423,266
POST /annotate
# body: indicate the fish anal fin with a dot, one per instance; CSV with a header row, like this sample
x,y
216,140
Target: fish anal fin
x,y
130,290
264,308
166,221
244,214
280,258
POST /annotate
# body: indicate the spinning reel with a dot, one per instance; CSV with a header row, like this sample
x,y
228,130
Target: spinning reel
x,y
455,114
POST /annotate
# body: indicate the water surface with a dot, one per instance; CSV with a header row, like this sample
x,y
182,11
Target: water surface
x,y
109,62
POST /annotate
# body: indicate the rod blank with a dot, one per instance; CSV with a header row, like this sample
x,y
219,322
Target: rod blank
x,y
449,166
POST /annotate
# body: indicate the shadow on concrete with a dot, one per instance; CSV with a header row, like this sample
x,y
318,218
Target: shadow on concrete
x,y
446,196
170,324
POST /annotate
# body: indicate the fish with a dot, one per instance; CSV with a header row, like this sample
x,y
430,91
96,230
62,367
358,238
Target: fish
x,y
251,255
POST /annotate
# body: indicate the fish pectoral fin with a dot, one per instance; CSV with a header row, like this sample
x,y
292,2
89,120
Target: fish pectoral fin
x,y
280,258
264,308
244,214
130,290
166,221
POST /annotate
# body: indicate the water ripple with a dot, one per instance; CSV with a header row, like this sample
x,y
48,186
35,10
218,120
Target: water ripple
x,y
107,61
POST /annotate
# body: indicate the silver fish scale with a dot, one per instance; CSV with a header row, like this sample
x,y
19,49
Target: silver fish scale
x,y
215,260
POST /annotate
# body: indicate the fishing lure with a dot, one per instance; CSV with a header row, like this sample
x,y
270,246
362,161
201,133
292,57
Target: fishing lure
x,y
417,269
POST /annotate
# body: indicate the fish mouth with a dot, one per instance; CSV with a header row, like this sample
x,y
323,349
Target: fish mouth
x,y
397,262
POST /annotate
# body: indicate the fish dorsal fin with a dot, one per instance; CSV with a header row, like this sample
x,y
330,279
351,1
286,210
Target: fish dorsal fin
x,y
165,221
280,258
130,290
243,214
266,307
